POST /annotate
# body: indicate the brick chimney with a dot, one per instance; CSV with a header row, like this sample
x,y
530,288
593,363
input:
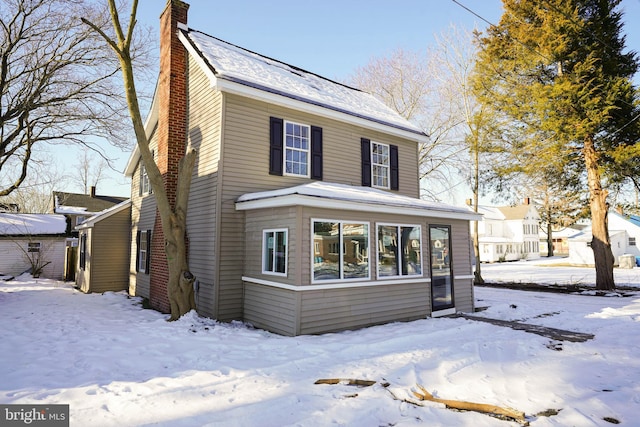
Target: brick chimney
x,y
93,191
172,135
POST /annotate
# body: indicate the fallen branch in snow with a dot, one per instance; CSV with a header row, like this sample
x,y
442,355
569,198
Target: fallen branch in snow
x,y
359,383
472,406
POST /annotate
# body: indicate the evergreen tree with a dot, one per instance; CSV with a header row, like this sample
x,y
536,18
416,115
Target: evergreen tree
x,y
558,71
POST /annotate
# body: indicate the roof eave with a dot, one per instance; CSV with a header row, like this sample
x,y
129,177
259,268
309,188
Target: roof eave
x,y
353,205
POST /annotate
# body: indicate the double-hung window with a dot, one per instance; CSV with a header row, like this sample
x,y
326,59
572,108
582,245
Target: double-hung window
x,y
145,184
379,165
296,149
33,246
399,250
274,252
340,250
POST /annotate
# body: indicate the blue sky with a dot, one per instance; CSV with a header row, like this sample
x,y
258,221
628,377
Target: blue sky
x,y
331,37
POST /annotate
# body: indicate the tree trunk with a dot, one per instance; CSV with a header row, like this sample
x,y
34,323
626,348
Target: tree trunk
x,y
477,274
549,236
600,244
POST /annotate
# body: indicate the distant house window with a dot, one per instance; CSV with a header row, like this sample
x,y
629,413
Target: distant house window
x,y
33,246
341,250
83,251
399,250
143,241
632,241
296,149
274,252
79,220
379,164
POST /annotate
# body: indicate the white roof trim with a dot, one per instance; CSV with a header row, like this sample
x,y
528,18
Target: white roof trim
x,y
350,198
91,221
302,288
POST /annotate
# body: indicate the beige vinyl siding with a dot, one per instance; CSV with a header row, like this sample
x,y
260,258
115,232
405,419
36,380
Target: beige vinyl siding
x,y
205,106
271,308
346,307
256,222
246,169
109,266
143,215
461,262
351,308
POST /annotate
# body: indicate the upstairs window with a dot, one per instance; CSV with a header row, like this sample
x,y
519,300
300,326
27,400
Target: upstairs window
x,y
632,241
295,149
33,246
145,185
379,164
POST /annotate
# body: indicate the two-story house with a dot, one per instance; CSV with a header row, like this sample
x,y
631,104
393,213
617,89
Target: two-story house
x,y
304,214
509,233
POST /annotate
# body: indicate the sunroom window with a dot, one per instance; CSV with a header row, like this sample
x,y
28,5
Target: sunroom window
x,y
274,252
399,250
340,250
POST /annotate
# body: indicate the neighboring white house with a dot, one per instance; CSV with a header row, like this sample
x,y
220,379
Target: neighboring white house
x,y
27,239
509,233
624,233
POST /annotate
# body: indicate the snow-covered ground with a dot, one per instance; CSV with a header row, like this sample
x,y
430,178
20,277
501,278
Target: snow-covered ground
x,y
117,364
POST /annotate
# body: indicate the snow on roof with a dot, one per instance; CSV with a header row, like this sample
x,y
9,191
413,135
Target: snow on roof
x,y
16,224
353,198
239,65
71,210
491,212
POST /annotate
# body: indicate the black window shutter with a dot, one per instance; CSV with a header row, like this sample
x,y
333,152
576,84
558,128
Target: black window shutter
x,y
366,161
276,142
146,267
394,168
138,250
316,152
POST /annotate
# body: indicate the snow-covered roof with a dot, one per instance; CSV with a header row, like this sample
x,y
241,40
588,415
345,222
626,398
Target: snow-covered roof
x,y
347,197
19,224
232,63
491,213
91,221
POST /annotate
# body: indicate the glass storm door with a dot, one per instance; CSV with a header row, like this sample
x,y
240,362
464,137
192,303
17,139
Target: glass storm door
x,y
441,273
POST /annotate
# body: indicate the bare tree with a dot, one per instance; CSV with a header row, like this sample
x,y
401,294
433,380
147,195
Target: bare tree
x,y
173,213
89,170
434,91
34,194
405,82
56,82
